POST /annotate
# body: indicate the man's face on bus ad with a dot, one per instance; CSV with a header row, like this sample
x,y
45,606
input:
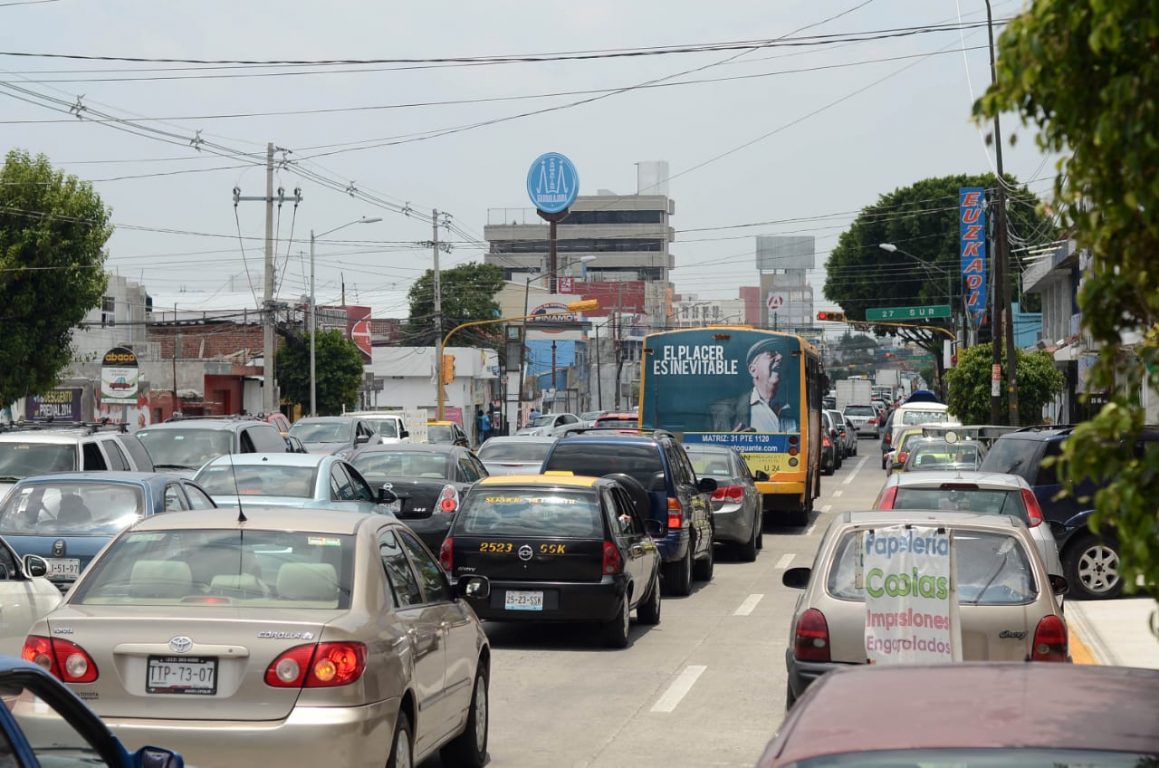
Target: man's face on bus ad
x,y
766,374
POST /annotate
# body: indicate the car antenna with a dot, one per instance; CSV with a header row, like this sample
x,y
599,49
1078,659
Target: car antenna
x,y
241,518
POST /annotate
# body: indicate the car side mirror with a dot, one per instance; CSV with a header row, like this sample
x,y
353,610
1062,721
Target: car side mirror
x,y
361,439
386,496
156,757
761,476
654,528
473,587
706,485
1058,584
35,566
796,578
402,433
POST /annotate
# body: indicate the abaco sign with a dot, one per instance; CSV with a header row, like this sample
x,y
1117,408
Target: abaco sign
x,y
972,244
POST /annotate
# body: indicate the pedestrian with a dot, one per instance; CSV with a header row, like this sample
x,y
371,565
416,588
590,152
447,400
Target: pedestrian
x,y
483,425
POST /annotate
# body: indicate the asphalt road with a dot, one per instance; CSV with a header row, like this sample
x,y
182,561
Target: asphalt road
x,y
704,687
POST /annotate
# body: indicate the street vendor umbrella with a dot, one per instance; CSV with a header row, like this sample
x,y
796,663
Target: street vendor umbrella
x,y
922,396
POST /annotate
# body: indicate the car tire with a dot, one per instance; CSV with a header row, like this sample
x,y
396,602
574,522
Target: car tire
x,y
402,745
648,612
703,568
747,552
617,632
678,575
469,748
1091,566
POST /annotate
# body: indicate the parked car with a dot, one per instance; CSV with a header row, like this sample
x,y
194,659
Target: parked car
x,y
68,518
879,706
331,434
296,636
830,445
676,497
851,436
446,433
26,594
390,426
310,481
736,503
183,445
549,424
1008,609
421,484
864,418
29,451
558,549
932,454
844,439
515,455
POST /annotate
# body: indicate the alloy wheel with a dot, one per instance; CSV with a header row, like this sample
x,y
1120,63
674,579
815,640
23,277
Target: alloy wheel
x,y
480,713
402,756
1098,568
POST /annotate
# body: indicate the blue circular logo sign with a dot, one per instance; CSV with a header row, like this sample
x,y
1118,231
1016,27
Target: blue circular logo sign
x,y
552,183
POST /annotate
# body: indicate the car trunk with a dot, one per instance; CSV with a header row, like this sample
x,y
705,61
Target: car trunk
x,y
222,672
513,467
67,556
417,497
520,558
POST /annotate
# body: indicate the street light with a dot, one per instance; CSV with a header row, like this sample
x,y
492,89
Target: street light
x,y
891,248
314,310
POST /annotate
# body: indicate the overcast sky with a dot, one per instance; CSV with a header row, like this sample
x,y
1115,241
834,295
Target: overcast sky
x,y
771,143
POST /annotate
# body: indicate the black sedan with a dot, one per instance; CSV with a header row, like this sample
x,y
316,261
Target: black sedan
x,y
423,482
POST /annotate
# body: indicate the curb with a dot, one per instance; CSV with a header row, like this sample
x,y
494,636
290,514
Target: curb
x,y
1079,652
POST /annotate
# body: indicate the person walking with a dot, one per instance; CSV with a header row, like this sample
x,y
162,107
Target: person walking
x,y
482,425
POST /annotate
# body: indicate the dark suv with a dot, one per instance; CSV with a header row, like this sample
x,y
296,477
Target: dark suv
x,y
658,464
1090,560
181,447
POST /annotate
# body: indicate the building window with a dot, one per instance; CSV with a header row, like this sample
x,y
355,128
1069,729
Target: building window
x,y
108,312
615,217
580,245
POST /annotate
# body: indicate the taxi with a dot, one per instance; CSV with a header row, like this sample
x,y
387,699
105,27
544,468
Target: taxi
x,y
557,548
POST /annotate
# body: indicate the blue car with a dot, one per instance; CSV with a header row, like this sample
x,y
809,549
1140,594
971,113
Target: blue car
x,y
44,723
67,518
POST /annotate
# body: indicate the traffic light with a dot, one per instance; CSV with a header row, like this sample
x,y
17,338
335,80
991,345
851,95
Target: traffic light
x,y
831,317
448,369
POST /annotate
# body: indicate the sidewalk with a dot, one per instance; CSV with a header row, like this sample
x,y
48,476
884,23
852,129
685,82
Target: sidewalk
x,y
1113,632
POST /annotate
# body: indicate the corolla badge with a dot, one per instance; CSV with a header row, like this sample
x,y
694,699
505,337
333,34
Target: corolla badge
x,y
525,553
180,644
58,548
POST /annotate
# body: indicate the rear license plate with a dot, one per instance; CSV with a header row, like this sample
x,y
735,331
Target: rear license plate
x,y
194,675
517,600
392,507
66,568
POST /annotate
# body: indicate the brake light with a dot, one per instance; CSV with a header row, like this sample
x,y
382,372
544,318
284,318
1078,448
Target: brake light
x,y
825,441
872,422
1050,640
613,563
66,661
448,499
888,497
901,457
325,665
675,513
729,493
1033,509
811,637
889,438
447,555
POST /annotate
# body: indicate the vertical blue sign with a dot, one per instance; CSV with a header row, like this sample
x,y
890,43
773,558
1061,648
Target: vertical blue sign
x,y
972,248
552,183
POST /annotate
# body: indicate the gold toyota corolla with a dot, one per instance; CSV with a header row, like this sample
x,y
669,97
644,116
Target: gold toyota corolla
x,y
303,637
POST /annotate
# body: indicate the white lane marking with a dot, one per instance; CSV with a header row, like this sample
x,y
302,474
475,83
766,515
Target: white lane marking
x,y
810,529
826,507
679,688
748,605
837,493
784,561
856,469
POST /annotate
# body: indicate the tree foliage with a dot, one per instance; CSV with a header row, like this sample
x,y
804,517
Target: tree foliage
x,y
969,384
53,230
468,293
1085,73
338,366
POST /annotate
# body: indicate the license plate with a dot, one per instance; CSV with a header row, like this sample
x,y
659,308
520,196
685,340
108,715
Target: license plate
x,y
517,600
393,507
182,674
66,568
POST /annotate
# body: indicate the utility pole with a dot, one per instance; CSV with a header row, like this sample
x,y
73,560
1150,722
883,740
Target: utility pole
x,y
437,289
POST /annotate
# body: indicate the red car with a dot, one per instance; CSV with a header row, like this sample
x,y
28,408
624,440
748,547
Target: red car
x,y
617,421
973,716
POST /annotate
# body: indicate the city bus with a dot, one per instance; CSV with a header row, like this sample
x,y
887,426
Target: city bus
x,y
756,391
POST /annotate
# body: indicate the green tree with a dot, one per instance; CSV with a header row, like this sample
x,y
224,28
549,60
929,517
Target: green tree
x,y
969,384
1085,73
53,230
921,219
338,366
468,293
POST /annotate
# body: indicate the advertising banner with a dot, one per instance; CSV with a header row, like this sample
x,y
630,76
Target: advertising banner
x,y
120,377
972,245
58,405
908,596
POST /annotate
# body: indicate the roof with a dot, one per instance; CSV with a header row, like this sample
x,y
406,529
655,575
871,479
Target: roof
x,y
520,439
271,459
610,437
343,419
222,424
926,517
992,480
408,448
972,705
126,478
565,481
258,518
59,437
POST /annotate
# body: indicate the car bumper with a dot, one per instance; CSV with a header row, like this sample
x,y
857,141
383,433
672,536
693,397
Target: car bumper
x,y
803,673
347,736
562,601
432,530
730,524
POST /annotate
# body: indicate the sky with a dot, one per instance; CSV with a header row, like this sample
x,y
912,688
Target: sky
x,y
798,136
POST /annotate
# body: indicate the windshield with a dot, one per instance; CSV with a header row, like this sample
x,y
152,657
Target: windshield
x,y
924,417
933,454
531,512
981,758
21,460
71,509
640,462
382,464
440,433
961,499
1012,456
322,431
542,421
385,427
185,448
710,464
258,480
522,452
190,568
860,410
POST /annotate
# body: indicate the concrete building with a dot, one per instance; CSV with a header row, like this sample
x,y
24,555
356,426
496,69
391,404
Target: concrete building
x,y
690,312
784,262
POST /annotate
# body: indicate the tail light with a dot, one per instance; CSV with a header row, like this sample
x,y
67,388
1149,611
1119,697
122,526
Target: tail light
x,y
811,637
1033,509
447,555
901,457
325,665
887,498
729,493
448,499
825,441
675,513
66,661
889,438
871,422
1050,640
613,563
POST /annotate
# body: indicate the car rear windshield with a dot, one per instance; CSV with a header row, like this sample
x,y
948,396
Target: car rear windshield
x,y
71,509
992,569
860,410
21,460
514,451
385,427
530,512
1012,456
323,431
263,480
924,417
439,433
186,448
938,453
401,464
982,501
641,462
1046,757
252,568
710,464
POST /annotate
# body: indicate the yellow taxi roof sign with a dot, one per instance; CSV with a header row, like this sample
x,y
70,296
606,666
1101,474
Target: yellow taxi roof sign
x,y
558,479
560,473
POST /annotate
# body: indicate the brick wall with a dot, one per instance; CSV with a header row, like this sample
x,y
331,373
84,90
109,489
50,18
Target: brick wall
x,y
208,341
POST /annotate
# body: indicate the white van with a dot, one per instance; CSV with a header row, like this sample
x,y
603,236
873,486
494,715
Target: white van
x,y
389,425
913,414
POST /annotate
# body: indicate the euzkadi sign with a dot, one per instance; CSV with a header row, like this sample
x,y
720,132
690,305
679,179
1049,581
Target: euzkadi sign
x,y
910,603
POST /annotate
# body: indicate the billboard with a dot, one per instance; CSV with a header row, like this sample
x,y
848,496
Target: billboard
x,y
63,404
120,376
785,252
972,245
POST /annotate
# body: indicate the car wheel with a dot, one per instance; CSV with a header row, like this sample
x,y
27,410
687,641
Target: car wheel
x,y
1091,563
704,567
402,748
649,612
616,631
747,552
469,748
678,575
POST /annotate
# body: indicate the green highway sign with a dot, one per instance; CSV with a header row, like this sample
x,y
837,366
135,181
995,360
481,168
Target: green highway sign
x,y
908,313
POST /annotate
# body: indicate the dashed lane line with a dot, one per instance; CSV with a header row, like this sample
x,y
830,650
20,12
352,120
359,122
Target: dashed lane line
x,y
784,561
748,605
856,469
679,688
812,527
838,492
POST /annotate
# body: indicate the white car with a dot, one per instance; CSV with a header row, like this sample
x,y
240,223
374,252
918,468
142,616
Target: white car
x,y
549,424
390,426
27,595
